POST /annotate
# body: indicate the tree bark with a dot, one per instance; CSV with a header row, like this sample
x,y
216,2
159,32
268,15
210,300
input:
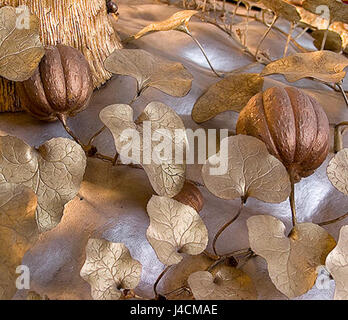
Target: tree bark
x,y
83,24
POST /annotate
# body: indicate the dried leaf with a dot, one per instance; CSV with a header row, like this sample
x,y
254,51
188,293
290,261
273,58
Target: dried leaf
x,y
176,277
251,172
109,267
54,172
175,228
292,261
323,65
166,177
333,41
18,232
227,283
174,22
337,264
283,9
337,171
231,93
150,71
338,10
20,46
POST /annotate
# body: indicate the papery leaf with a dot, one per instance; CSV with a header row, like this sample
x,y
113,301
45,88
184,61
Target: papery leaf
x,y
338,11
175,228
54,172
337,265
283,9
20,46
174,22
323,65
177,276
109,267
166,177
231,93
18,233
227,283
293,260
250,171
150,71
333,40
337,171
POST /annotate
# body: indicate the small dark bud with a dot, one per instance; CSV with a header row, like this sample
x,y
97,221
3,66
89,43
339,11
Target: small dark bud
x,y
112,7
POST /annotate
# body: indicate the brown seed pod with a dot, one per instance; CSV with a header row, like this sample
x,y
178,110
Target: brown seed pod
x,y
292,124
191,196
61,85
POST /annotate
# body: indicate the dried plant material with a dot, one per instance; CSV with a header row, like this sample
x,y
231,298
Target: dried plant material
x,y
18,232
338,10
54,172
337,171
227,283
32,295
293,260
175,228
166,177
175,279
150,71
175,22
109,267
337,265
333,40
20,46
251,172
283,9
323,65
231,93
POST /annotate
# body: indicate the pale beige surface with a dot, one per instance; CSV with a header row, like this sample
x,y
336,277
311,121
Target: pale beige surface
x,y
118,196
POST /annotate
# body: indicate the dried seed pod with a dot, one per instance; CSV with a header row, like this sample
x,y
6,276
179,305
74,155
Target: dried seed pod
x,y
292,124
191,196
61,85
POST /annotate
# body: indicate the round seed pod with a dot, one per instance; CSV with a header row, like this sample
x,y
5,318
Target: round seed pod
x,y
293,126
61,85
191,196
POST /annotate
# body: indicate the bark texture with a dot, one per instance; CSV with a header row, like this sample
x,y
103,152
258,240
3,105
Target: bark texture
x,y
83,24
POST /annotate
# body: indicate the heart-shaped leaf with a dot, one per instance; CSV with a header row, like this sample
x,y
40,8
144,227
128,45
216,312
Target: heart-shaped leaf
x,y
227,283
150,71
337,171
108,268
338,11
174,22
323,65
231,93
20,46
166,177
175,228
250,171
293,260
337,264
18,232
283,9
54,172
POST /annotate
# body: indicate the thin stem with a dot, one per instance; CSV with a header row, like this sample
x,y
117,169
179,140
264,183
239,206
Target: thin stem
x,y
223,228
234,14
323,42
292,200
90,142
158,280
246,27
325,223
301,33
340,86
292,27
63,120
187,31
275,18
